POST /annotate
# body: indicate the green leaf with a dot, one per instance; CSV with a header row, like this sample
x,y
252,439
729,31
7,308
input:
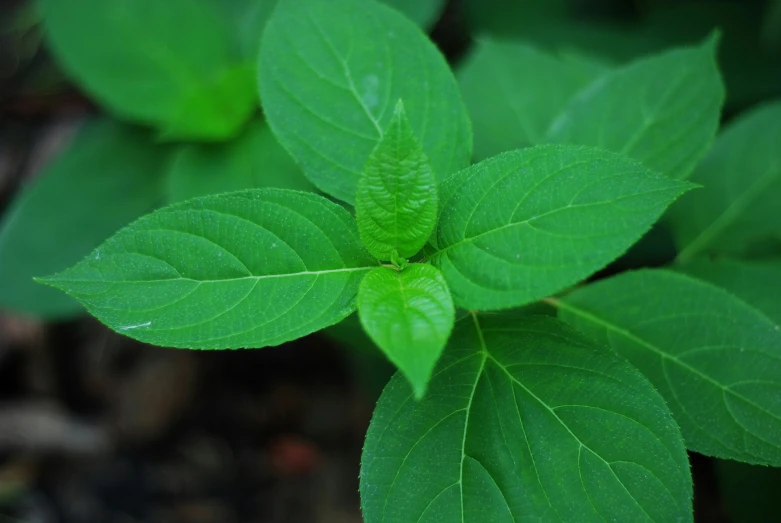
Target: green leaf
x,y
525,224
169,64
108,176
715,359
246,269
409,314
247,18
423,12
663,111
755,282
330,72
742,180
253,160
525,420
396,204
514,91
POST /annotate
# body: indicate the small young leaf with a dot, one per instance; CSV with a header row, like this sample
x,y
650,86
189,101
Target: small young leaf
x,y
714,358
409,314
514,91
663,111
253,160
246,269
396,204
108,176
165,63
525,420
330,72
525,224
755,282
742,182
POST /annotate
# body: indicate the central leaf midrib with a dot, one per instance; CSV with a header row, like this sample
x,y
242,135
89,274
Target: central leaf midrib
x,y
226,280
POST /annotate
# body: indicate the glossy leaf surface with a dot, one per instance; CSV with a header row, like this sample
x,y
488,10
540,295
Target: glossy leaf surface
x,y
663,111
409,314
169,64
330,75
396,204
514,91
525,420
108,176
525,224
246,269
714,358
741,179
253,160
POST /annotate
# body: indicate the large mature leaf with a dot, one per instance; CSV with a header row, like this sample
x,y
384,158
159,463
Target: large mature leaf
x,y
245,269
170,64
409,314
742,183
253,160
525,224
514,91
663,110
715,359
758,283
396,204
330,72
525,420
108,176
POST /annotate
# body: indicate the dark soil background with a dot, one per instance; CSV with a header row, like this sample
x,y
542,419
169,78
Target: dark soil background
x,y
97,428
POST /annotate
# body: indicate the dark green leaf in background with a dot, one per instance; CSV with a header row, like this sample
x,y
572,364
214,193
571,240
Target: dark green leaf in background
x,y
514,91
253,160
663,111
525,420
108,176
741,179
715,359
330,74
246,269
423,12
409,314
396,204
170,64
758,283
525,224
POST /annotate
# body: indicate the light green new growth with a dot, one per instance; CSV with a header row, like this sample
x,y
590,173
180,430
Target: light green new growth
x,y
409,314
396,204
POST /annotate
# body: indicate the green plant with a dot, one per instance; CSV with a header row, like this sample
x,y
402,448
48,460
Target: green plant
x,y
500,412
